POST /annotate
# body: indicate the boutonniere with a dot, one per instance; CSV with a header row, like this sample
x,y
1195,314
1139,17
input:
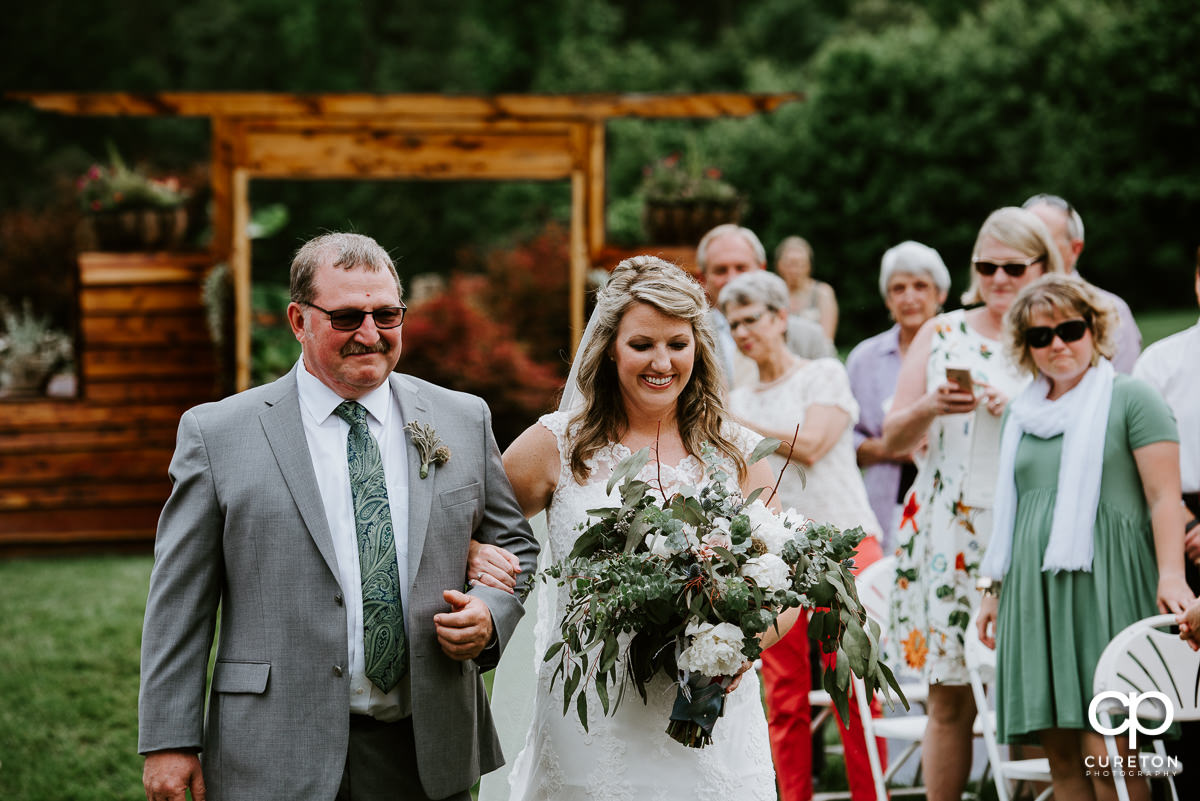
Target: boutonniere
x,y
431,449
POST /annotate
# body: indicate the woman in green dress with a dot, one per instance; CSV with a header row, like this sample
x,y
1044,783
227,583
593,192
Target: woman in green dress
x,y
1088,529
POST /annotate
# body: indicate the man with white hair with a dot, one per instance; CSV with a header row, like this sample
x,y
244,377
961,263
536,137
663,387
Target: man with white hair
x,y
723,253
1066,227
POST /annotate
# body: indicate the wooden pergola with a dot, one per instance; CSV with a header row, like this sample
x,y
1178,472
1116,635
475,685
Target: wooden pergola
x,y
423,137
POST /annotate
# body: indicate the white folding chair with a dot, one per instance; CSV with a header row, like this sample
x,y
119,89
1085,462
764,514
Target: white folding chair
x,y
981,667
874,585
1142,658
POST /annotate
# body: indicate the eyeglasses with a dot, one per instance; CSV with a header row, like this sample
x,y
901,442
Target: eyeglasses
x,y
352,319
1042,335
749,320
1014,268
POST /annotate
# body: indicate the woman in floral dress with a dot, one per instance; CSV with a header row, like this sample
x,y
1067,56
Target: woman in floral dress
x,y
946,522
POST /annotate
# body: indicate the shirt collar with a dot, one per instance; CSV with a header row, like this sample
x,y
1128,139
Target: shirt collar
x,y
890,341
320,401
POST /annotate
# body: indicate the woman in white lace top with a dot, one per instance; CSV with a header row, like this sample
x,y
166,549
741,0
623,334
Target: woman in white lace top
x,y
808,406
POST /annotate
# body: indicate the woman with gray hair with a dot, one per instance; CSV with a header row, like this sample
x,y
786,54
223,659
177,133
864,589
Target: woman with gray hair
x,y
914,282
954,384
808,406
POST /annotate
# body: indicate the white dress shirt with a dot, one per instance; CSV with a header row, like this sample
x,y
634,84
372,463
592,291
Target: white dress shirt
x,y
1172,366
327,434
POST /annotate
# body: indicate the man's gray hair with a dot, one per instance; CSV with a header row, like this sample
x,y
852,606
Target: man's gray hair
x,y
913,258
759,286
342,250
760,253
1074,221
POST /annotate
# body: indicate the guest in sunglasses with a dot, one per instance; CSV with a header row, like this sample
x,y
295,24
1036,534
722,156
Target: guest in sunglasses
x,y
1087,530
944,526
1066,228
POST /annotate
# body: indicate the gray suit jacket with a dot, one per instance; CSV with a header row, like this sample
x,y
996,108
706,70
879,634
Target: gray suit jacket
x,y
244,536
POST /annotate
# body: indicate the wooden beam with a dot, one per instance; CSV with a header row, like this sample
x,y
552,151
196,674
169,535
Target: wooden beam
x,y
375,153
497,107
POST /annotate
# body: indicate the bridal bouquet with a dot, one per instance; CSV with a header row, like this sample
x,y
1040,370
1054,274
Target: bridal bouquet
x,y
695,579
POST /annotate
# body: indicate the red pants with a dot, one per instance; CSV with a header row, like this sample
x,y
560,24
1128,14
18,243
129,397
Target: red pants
x,y
786,675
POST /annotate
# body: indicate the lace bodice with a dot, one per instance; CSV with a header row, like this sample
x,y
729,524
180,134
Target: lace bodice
x,y
571,499
628,756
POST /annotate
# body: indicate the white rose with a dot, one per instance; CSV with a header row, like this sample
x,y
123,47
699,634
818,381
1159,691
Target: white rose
x,y
718,539
767,527
713,650
768,571
657,543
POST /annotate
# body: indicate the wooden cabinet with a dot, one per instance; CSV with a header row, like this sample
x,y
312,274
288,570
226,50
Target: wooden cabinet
x,y
91,472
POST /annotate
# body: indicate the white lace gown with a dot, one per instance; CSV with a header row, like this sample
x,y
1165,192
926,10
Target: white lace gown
x,y
629,756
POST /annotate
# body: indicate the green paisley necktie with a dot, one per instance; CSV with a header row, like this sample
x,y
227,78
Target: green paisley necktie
x,y
386,649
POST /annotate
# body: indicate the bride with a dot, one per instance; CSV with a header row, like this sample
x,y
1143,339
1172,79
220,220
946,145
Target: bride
x,y
646,375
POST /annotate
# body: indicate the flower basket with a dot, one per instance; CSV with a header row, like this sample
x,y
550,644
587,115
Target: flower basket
x,y
144,229
683,201
126,210
684,222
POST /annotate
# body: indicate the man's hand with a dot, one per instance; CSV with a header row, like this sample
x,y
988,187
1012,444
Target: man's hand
x,y
466,629
168,775
1191,544
1189,625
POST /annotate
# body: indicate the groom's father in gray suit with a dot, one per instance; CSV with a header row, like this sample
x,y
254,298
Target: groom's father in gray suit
x,y
325,520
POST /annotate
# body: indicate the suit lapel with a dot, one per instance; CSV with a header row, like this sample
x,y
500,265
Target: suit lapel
x,y
420,490
284,428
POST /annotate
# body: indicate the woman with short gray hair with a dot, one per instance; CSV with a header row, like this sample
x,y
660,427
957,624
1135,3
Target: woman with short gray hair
x,y
913,281
807,405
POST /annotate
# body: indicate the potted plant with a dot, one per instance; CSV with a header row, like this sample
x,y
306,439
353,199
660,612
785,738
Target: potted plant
x,y
31,351
126,209
683,200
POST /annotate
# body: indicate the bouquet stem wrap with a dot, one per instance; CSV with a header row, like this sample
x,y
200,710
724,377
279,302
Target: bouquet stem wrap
x,y
699,701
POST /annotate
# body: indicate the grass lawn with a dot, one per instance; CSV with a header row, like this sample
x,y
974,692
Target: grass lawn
x,y
69,637
1156,325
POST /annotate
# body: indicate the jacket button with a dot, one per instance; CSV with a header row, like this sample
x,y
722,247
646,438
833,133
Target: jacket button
x,y
337,599
337,671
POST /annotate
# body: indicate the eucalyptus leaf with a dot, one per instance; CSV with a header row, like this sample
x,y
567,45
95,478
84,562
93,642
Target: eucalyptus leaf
x,y
581,706
766,447
628,467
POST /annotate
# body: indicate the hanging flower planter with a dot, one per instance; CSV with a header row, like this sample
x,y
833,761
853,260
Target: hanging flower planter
x,y
684,222
144,229
125,210
682,202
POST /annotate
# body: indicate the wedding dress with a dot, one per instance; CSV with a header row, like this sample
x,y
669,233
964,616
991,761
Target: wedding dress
x,y
629,756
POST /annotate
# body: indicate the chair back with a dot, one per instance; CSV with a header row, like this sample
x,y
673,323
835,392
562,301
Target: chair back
x,y
874,585
1144,658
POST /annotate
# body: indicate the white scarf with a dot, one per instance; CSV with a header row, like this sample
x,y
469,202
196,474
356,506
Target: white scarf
x,y
1081,416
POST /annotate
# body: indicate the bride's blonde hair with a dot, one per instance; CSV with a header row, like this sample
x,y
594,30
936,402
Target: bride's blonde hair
x,y
601,417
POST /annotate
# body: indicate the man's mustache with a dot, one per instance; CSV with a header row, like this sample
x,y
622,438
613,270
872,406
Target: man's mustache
x,y
353,348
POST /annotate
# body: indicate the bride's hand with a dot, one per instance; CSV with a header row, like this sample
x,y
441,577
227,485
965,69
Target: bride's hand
x,y
737,677
491,566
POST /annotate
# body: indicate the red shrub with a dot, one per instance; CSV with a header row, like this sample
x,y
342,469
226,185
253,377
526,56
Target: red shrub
x,y
448,340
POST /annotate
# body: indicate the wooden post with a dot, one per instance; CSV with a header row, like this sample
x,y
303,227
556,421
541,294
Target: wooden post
x,y
239,263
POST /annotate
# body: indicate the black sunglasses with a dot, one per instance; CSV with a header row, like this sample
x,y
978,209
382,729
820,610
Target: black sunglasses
x,y
1014,268
1042,335
351,319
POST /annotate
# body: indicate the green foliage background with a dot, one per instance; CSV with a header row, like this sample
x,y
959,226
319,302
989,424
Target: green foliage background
x,y
919,118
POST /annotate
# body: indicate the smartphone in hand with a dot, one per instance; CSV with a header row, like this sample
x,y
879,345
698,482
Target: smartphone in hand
x,y
961,378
